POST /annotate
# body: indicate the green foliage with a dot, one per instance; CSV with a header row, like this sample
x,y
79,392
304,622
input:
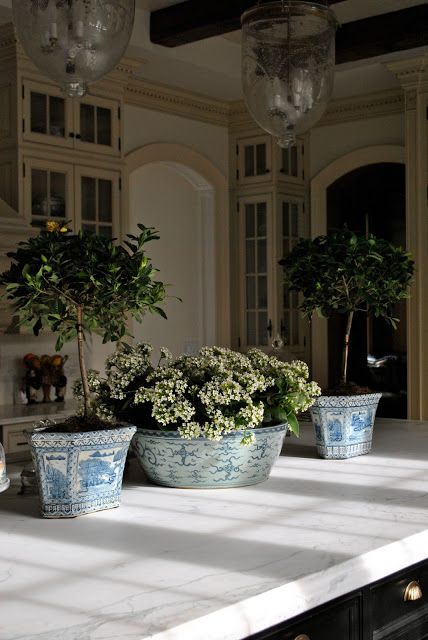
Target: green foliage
x,y
346,273
57,272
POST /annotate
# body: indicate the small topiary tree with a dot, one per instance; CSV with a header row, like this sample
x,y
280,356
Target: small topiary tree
x,y
346,273
81,283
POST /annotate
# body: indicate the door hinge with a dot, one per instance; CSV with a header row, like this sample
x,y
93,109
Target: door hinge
x,y
23,125
23,169
23,92
237,149
237,174
120,144
120,184
118,113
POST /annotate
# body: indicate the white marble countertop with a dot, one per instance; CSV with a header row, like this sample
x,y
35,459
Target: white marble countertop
x,y
174,564
16,413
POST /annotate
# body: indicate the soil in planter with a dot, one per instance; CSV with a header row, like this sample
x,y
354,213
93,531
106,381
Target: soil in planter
x,y
81,424
349,389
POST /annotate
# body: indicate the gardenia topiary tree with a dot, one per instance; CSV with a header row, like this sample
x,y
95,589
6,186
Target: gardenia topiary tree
x,y
80,283
346,273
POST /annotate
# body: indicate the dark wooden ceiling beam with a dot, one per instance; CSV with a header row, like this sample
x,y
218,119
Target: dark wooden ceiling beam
x,y
195,20
199,19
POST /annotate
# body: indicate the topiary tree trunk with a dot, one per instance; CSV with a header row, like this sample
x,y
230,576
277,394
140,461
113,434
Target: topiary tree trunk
x,y
345,351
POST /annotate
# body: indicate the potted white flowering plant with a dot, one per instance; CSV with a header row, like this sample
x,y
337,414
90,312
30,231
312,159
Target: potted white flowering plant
x,y
213,420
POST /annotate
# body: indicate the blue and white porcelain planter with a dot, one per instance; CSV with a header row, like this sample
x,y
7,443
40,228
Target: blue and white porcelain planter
x,y
344,424
169,460
79,473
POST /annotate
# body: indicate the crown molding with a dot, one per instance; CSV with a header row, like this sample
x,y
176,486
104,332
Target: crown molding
x,y
175,101
412,73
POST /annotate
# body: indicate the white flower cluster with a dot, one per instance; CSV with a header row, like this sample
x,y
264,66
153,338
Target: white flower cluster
x,y
215,393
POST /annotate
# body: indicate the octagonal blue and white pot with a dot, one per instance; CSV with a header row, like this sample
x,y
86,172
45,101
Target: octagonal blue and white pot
x,y
79,473
344,424
169,460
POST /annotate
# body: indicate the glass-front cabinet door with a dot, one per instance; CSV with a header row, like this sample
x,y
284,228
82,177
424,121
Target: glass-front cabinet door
x,y
48,191
254,159
291,163
293,328
47,116
97,201
255,224
269,317
97,125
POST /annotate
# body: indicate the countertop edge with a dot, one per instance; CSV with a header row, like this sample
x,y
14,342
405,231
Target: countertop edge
x,y
259,613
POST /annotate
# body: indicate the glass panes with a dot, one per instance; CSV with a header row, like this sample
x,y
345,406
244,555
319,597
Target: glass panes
x,y
105,201
39,193
48,195
107,232
290,165
56,116
97,205
249,160
250,256
263,328
251,292
256,288
260,159
38,106
47,114
89,198
57,195
255,160
290,233
250,226
103,126
261,219
87,122
95,124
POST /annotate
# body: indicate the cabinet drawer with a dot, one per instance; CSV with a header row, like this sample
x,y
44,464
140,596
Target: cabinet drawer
x,y
334,622
388,604
14,441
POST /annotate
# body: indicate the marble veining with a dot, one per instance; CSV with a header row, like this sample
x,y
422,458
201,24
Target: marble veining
x,y
176,564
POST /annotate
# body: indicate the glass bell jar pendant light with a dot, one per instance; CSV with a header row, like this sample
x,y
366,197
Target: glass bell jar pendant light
x,y
288,57
74,42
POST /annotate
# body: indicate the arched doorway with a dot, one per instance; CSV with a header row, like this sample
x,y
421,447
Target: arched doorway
x,y
184,196
345,165
372,199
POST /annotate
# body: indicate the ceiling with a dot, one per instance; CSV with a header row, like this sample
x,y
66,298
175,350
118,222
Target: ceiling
x,y
211,67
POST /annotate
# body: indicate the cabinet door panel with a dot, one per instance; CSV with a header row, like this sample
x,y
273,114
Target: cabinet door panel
x,y
97,200
254,160
48,191
255,258
97,125
47,115
337,622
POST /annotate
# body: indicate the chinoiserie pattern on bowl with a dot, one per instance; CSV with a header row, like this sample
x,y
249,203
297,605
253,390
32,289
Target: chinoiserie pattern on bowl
x,y
344,424
79,473
169,460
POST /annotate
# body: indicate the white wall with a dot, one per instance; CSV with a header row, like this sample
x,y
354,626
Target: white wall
x,y
144,126
12,350
329,143
160,197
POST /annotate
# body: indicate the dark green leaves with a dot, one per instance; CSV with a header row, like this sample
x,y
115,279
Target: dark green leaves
x,y
55,272
344,272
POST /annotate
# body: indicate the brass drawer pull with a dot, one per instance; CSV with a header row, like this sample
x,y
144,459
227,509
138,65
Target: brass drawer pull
x,y
303,636
413,591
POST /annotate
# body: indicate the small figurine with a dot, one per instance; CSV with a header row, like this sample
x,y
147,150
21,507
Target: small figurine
x,y
59,380
46,371
33,377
